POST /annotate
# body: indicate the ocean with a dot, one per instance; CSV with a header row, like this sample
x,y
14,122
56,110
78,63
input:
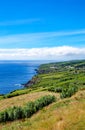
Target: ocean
x,y
15,73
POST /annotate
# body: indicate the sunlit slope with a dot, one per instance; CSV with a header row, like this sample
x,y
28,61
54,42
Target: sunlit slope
x,y
66,114
22,99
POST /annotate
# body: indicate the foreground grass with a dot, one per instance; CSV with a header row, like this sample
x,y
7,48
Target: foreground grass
x,y
28,110
66,114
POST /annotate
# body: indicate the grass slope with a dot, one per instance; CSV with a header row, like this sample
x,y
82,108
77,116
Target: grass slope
x,y
21,100
66,114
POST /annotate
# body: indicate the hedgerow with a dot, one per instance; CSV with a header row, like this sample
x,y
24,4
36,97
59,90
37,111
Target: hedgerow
x,y
65,91
30,108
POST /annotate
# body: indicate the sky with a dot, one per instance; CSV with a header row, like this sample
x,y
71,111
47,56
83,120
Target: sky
x,y
42,29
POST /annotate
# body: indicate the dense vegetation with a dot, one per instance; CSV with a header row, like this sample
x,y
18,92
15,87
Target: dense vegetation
x,y
64,77
61,66
30,108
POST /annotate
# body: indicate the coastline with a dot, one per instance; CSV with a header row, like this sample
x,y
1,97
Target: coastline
x,y
14,74
29,83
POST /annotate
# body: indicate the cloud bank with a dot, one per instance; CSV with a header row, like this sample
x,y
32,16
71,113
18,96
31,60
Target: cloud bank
x,y
47,53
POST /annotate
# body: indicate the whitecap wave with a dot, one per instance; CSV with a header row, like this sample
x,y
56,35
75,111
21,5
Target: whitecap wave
x,y
17,85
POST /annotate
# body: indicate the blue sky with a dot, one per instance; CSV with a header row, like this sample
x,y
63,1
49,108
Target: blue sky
x,y
29,26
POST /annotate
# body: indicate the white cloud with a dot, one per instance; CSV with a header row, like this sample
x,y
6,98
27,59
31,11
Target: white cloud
x,y
19,22
54,53
32,38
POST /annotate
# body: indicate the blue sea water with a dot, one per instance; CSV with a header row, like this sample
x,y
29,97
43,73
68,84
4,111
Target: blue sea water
x,y
15,73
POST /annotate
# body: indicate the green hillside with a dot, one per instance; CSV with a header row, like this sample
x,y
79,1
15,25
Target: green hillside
x,y
63,80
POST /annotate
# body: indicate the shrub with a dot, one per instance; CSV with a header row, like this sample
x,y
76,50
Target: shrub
x,y
44,101
68,91
58,89
55,89
18,113
3,116
11,113
29,109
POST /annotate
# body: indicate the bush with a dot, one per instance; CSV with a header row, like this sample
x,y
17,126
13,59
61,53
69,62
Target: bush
x,y
29,109
55,89
68,91
11,113
3,116
18,113
44,101
58,89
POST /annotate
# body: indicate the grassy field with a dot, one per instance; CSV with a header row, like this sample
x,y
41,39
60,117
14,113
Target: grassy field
x,y
66,114
64,80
